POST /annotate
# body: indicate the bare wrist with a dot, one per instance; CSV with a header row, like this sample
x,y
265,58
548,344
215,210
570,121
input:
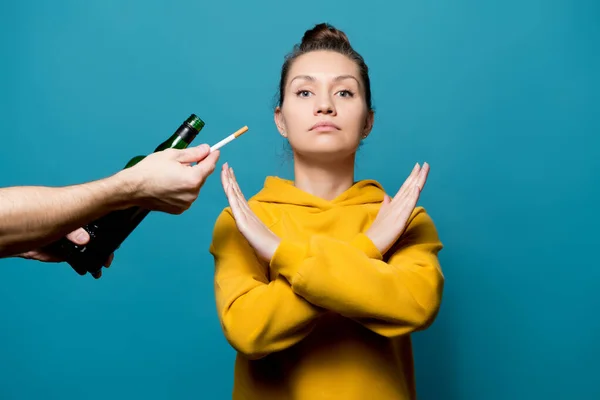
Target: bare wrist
x,y
127,188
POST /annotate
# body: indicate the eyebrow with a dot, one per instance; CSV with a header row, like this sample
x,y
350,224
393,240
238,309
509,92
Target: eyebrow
x,y
336,79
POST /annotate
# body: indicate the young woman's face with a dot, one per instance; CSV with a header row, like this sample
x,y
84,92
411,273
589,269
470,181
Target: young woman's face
x,y
324,112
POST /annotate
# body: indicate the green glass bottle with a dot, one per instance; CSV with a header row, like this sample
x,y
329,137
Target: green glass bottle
x,y
107,233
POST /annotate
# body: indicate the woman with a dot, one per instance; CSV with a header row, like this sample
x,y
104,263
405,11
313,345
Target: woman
x,y
320,281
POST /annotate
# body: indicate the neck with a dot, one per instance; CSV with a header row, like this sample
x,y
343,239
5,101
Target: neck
x,y
326,180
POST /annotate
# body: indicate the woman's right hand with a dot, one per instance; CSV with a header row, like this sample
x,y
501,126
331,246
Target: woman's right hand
x,y
394,213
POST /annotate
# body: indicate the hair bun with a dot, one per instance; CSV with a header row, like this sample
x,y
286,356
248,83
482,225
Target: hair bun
x,y
321,35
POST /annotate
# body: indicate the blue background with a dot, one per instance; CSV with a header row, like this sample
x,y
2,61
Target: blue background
x,y
501,98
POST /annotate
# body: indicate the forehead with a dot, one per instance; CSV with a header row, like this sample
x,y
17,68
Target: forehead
x,y
323,65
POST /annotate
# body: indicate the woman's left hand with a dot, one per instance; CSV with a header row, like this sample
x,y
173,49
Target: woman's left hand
x,y
261,238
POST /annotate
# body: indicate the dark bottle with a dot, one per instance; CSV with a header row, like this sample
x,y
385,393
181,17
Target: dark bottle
x,y
108,232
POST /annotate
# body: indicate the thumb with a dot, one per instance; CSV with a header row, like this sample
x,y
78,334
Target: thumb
x,y
79,236
386,201
193,154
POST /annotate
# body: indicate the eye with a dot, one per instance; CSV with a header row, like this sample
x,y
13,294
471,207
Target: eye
x,y
302,93
346,93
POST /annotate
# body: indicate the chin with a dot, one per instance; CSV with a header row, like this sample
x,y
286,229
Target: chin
x,y
327,153
325,147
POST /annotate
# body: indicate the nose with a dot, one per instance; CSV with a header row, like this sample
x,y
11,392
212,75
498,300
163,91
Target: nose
x,y
324,105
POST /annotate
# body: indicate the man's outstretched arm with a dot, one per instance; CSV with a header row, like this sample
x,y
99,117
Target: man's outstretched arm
x,y
34,216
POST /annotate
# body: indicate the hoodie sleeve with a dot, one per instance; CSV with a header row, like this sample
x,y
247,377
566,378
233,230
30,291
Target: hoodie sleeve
x,y
257,316
392,296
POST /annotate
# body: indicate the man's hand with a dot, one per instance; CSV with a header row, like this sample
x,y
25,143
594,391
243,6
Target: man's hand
x,y
79,236
32,217
168,180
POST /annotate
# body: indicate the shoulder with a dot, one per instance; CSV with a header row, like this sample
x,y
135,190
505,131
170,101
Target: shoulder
x,y
420,219
224,227
226,236
420,228
419,241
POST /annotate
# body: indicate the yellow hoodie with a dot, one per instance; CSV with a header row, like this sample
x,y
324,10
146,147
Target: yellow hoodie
x,y
329,317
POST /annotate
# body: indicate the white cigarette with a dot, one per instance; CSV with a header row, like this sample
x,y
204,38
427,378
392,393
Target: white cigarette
x,y
229,138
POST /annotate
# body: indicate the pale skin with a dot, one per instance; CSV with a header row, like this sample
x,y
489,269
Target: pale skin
x,y
32,217
325,86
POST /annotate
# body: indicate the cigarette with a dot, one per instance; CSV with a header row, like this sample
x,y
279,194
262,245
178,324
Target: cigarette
x,y
229,138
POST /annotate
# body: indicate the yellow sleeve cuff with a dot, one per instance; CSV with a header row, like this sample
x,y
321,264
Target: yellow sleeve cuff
x,y
364,243
287,258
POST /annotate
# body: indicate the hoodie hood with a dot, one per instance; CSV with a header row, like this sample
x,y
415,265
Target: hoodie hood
x,y
282,191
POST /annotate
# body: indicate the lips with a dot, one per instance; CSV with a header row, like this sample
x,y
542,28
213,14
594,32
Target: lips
x,y
324,126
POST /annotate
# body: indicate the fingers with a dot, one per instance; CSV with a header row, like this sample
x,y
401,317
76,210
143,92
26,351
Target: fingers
x,y
79,236
408,182
40,256
236,207
229,190
109,260
422,178
229,180
207,166
224,179
235,188
417,177
79,270
405,206
238,191
239,206
405,201
192,154
107,263
409,203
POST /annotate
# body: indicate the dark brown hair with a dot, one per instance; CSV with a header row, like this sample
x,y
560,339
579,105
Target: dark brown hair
x,y
325,37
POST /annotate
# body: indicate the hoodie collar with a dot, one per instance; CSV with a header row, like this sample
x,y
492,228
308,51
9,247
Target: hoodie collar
x,y
282,191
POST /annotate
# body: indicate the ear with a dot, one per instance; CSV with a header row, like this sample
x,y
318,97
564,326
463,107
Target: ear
x,y
368,124
279,121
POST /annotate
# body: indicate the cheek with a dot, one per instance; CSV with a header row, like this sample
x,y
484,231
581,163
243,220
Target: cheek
x,y
355,116
296,114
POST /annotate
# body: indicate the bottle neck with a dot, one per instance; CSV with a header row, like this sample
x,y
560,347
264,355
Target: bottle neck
x,y
181,139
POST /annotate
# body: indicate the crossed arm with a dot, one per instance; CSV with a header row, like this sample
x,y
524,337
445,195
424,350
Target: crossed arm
x,y
392,296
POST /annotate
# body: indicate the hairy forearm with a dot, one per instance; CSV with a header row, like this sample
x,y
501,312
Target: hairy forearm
x,y
34,216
